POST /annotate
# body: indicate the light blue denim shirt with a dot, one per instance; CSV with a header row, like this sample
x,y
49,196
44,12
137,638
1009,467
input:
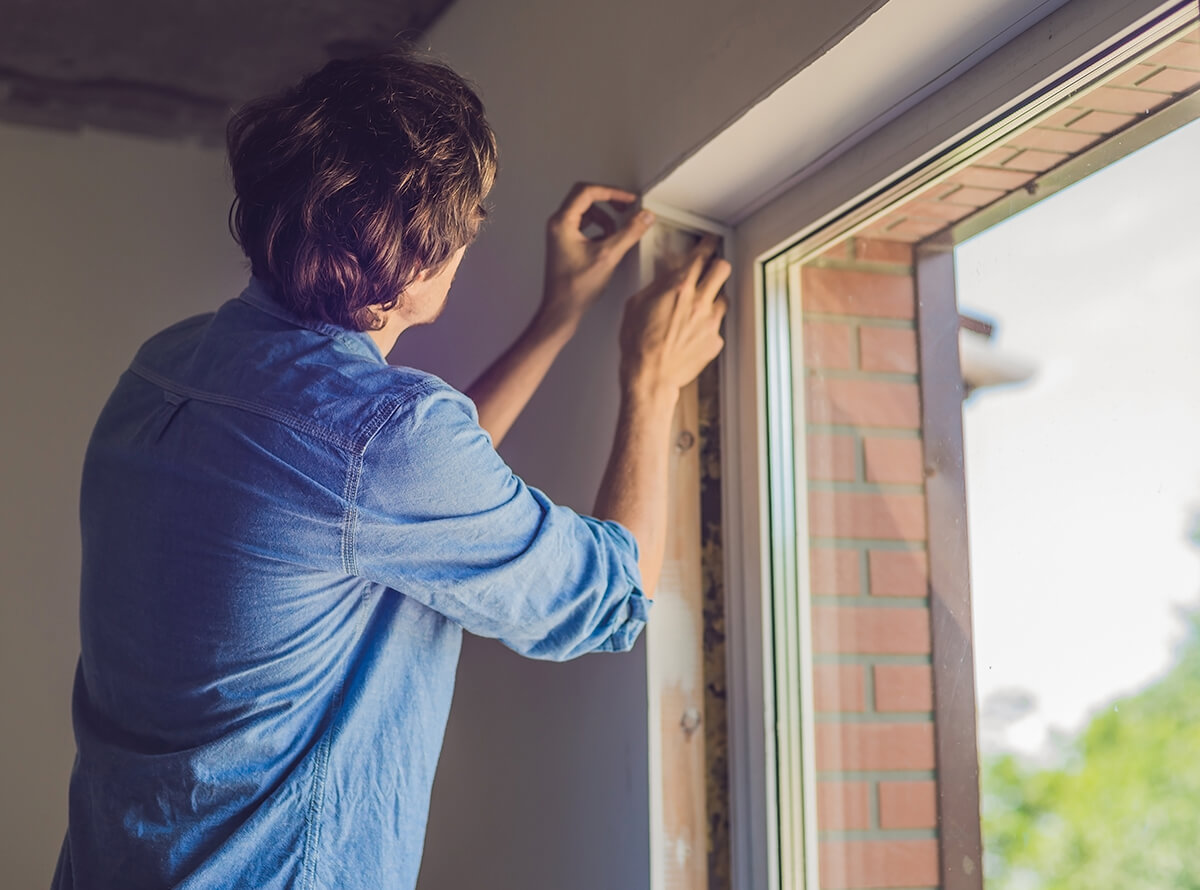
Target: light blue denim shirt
x,y
283,539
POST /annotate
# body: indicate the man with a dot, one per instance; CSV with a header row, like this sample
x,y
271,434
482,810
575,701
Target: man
x,y
284,536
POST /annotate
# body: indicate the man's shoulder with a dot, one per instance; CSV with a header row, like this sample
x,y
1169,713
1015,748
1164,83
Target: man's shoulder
x,y
334,386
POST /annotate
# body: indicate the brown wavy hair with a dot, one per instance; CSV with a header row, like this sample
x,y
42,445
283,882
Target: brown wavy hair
x,y
355,180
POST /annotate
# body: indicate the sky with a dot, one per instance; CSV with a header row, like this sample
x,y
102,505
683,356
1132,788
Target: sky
x,y
1084,483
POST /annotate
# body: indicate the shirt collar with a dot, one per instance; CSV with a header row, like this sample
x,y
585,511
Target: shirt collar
x,y
258,293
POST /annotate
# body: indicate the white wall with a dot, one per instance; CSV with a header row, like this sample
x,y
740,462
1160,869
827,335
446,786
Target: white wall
x,y
103,241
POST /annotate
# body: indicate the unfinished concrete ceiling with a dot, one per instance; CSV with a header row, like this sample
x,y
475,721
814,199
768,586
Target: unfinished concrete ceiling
x,y
177,69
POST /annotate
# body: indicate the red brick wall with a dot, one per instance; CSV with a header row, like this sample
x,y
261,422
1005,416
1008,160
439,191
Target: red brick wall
x,y
874,696
1161,78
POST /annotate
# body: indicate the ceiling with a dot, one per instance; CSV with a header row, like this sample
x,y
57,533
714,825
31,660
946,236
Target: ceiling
x,y
914,48
177,69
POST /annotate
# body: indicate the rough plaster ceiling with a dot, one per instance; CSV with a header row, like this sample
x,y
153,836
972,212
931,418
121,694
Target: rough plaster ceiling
x,y
177,69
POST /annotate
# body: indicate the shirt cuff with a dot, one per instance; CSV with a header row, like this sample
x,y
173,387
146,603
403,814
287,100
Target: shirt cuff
x,y
635,611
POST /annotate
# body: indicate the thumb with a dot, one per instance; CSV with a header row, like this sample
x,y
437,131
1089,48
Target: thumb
x,y
630,233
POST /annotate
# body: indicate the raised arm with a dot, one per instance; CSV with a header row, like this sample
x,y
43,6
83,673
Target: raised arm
x,y
670,331
577,269
442,519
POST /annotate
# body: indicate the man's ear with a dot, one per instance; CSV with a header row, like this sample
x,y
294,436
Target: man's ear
x,y
378,318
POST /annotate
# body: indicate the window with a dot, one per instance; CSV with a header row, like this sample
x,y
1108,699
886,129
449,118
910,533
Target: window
x,y
852,708
876,758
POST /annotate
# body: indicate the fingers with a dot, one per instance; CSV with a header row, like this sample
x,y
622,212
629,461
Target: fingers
x,y
697,259
713,280
583,196
705,273
631,233
597,217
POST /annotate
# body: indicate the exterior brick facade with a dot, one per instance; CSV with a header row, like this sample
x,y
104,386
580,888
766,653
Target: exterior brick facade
x,y
871,627
1163,77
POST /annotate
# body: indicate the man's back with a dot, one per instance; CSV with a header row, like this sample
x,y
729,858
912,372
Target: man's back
x,y
283,537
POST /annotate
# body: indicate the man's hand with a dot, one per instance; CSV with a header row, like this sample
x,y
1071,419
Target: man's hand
x,y
578,267
670,331
672,328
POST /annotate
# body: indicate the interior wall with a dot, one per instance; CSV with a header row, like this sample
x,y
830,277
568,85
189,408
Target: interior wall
x,y
103,241
543,779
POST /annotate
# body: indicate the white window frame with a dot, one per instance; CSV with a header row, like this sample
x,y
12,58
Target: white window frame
x,y
985,103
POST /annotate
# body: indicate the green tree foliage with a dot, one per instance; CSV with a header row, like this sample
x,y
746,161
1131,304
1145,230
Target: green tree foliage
x,y
1122,810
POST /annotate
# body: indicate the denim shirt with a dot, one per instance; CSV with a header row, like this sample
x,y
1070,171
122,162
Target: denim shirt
x,y
283,539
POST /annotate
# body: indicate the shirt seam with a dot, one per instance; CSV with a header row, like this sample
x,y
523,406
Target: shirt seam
x,y
354,471
298,423
316,803
357,446
350,516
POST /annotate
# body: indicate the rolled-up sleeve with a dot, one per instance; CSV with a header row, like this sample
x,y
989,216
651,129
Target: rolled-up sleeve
x,y
437,515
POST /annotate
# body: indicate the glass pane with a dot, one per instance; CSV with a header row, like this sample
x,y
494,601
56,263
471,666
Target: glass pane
x,y
1083,472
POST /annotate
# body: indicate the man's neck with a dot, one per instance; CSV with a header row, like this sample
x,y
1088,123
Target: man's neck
x,y
386,336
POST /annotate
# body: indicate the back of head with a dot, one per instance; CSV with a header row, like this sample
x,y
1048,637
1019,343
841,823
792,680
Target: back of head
x,y
356,179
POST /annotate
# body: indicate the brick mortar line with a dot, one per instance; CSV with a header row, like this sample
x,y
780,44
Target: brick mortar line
x,y
864,432
871,601
879,321
877,775
819,543
871,658
875,543
873,267
856,487
1159,69
878,834
1019,152
1083,112
880,718
869,682
866,376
